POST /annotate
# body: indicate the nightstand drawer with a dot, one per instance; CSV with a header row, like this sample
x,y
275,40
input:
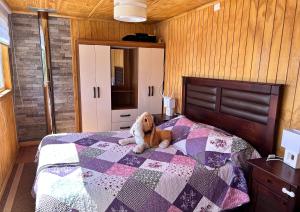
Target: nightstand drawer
x,y
274,184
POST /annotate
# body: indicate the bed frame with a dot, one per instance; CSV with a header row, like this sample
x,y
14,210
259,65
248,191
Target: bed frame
x,y
248,110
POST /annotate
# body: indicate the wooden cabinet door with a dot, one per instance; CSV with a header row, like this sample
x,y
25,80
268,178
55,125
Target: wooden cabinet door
x,y
265,200
103,84
150,75
87,65
157,75
144,79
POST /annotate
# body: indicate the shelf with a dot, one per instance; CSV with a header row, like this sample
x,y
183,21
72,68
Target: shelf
x,y
132,44
122,91
125,107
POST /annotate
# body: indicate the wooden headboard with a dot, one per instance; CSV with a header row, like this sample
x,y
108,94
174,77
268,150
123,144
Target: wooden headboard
x,y
248,110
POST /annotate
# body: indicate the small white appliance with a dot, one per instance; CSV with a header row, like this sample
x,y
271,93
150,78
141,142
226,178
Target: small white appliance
x,y
291,143
169,104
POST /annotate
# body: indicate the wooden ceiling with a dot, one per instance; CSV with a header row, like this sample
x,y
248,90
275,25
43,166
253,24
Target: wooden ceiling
x,y
158,10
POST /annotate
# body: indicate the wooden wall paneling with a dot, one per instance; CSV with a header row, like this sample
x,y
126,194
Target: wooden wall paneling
x,y
193,46
286,41
204,43
267,41
224,39
213,44
200,42
243,40
177,51
283,65
230,39
207,41
250,40
219,41
276,40
259,35
236,39
295,121
292,73
8,139
258,42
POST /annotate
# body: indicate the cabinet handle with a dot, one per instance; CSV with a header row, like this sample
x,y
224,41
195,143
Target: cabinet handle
x,y
125,115
94,92
98,89
149,90
152,91
124,128
289,193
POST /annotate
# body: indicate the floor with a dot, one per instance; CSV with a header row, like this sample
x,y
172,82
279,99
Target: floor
x,y
17,195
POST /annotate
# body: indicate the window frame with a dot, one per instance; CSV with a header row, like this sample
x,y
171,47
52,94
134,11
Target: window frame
x,y
4,56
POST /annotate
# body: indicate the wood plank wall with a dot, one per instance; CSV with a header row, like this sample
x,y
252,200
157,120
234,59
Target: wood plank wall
x,y
99,30
8,138
250,40
8,134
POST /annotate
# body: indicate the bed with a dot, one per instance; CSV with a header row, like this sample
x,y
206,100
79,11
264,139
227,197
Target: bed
x,y
92,172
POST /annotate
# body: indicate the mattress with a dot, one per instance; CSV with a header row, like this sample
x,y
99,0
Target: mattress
x,y
92,172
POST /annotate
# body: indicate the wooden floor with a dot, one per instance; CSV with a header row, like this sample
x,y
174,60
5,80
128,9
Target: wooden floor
x,y
17,195
27,154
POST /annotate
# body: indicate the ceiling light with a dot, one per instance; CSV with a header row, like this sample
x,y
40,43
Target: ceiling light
x,y
130,10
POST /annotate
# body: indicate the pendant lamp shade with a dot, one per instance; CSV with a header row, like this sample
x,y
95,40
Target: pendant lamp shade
x,y
130,10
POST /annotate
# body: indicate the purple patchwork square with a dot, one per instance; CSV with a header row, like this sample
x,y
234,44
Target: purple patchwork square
x,y
134,194
238,181
95,164
111,139
132,160
216,159
167,124
161,156
180,133
146,154
86,142
156,203
209,184
101,135
195,145
117,205
188,199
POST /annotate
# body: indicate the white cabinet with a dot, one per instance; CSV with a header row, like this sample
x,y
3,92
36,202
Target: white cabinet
x,y
150,79
95,88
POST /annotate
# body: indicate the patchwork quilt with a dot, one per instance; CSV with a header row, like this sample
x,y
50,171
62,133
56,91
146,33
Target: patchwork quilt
x,y
92,172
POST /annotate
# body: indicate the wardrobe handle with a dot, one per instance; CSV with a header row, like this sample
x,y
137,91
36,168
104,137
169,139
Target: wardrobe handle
x,y
94,92
149,90
124,128
152,91
98,89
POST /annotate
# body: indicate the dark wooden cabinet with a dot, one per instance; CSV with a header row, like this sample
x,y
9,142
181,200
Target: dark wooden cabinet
x,y
273,186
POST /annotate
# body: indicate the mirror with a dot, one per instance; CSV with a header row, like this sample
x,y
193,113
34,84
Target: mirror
x,y
117,67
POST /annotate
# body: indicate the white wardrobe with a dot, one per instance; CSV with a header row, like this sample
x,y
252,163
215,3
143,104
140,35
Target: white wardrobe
x,y
96,87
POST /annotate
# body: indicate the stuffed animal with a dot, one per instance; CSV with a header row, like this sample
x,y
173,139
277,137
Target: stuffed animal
x,y
146,135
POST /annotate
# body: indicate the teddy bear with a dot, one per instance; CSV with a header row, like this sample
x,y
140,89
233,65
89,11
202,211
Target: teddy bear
x,y
146,135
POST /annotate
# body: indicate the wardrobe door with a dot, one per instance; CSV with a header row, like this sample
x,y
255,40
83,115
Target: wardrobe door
x,y
144,79
103,84
88,96
150,75
156,80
